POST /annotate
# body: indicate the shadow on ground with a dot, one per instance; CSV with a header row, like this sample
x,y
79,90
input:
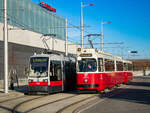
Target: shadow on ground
x,y
21,89
132,94
145,84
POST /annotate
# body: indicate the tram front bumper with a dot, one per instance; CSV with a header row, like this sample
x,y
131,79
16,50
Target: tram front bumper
x,y
37,88
87,86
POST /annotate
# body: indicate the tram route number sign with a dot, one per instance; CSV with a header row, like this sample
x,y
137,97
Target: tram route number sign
x,y
85,55
39,60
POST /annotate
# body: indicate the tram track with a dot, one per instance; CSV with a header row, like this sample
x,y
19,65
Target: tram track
x,y
90,101
26,104
60,111
12,99
6,95
8,105
49,103
15,109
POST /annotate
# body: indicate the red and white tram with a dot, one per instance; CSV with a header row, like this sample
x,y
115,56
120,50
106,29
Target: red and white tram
x,y
100,70
51,73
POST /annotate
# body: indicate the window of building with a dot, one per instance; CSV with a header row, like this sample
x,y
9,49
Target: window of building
x,y
31,16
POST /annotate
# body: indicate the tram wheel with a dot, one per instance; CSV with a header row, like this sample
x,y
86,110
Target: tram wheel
x,y
101,92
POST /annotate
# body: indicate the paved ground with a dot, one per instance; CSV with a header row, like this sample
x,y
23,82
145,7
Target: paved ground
x,y
132,98
135,98
16,102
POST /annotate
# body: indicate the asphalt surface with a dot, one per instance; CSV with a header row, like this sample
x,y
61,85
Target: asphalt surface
x,y
135,98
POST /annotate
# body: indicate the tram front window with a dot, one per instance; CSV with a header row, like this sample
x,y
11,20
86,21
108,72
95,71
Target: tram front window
x,y
87,65
38,66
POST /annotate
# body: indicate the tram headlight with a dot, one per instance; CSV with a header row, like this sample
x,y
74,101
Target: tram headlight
x,y
45,80
85,80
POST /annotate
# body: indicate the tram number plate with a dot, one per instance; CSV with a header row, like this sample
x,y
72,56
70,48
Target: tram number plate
x,y
38,83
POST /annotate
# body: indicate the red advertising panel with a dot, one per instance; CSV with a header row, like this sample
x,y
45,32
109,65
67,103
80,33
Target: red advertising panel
x,y
46,6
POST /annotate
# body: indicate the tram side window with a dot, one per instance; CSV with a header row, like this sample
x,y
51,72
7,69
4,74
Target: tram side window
x,y
67,69
130,67
55,71
125,67
100,65
109,65
119,66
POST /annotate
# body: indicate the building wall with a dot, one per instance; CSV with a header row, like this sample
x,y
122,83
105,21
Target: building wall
x,y
141,64
23,44
28,22
30,16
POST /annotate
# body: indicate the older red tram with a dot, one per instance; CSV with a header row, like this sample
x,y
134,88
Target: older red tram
x,y
100,70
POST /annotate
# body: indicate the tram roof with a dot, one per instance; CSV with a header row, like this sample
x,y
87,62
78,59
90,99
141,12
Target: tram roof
x,y
100,54
127,61
54,56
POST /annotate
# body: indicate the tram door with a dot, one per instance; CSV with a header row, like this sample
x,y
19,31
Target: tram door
x,y
56,76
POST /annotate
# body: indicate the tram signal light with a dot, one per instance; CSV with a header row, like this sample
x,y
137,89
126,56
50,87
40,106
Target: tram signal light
x,y
79,49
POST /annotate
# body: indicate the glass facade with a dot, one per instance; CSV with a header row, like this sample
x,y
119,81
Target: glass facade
x,y
28,15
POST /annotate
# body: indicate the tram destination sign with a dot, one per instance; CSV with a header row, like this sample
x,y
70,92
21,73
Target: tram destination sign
x,y
86,55
39,60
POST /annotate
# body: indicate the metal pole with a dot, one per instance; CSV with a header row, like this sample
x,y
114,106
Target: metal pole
x,y
122,50
128,54
102,36
5,47
81,25
115,65
66,35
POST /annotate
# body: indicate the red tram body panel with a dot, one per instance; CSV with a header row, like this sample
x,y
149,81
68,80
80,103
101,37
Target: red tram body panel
x,y
52,83
99,81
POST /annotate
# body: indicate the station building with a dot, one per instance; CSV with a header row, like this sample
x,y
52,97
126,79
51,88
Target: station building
x,y
28,25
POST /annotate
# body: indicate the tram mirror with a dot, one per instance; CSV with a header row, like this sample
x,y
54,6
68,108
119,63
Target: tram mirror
x,y
79,58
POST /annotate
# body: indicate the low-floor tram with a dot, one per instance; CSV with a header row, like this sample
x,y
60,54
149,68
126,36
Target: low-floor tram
x,y
50,73
98,70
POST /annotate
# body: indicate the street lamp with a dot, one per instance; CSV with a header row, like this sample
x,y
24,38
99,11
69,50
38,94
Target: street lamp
x,y
82,21
5,34
102,33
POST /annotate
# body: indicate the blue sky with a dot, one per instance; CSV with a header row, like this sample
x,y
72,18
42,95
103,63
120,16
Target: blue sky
x,y
130,23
